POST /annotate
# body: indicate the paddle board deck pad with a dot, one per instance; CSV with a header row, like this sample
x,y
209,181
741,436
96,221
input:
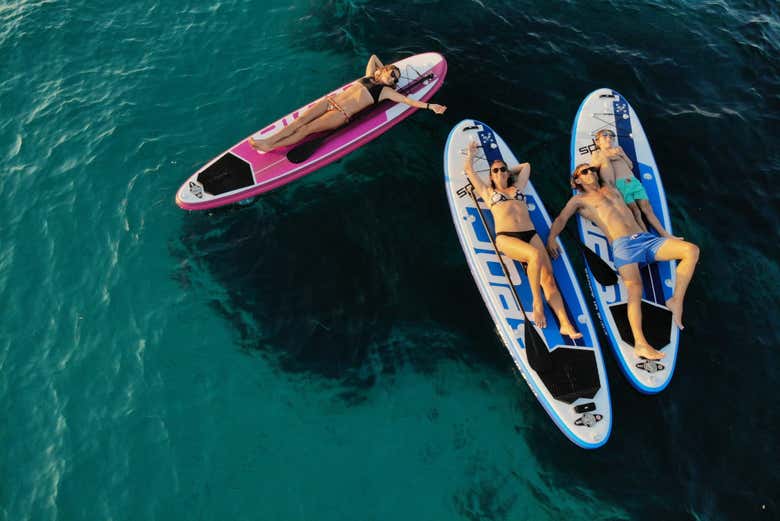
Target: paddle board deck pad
x,y
243,172
607,109
573,387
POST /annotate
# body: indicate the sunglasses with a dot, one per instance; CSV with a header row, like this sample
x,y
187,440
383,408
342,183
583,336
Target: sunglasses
x,y
497,169
395,76
584,171
607,133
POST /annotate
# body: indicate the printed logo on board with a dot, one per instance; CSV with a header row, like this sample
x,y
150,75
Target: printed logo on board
x,y
589,148
196,190
464,190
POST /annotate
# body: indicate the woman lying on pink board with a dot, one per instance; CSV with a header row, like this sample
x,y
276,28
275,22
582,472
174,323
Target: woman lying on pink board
x,y
337,110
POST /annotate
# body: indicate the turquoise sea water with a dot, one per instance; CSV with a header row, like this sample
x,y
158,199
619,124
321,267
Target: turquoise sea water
x,y
323,353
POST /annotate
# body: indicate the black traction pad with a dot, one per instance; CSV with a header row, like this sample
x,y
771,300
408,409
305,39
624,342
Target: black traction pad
x,y
573,374
656,323
226,174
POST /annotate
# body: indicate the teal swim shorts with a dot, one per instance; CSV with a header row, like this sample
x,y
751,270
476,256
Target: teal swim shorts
x,y
631,189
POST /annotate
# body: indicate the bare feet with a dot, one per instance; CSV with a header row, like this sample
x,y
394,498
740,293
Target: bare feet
x,y
645,351
539,318
677,310
569,330
667,235
259,145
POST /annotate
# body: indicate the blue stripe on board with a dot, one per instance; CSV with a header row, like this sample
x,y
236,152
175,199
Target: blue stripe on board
x,y
623,129
504,303
479,230
495,268
651,281
489,145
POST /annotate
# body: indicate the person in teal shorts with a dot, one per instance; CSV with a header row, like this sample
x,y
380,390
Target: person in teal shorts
x,y
615,169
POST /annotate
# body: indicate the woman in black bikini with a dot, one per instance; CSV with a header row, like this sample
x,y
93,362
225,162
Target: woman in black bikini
x,y
516,236
337,110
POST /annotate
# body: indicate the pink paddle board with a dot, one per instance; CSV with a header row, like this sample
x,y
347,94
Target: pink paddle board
x,y
243,172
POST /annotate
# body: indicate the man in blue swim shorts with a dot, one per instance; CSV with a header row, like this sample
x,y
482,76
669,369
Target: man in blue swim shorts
x,y
639,248
616,169
631,245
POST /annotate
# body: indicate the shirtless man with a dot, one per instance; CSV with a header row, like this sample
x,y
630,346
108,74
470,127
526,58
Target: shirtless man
x,y
604,206
615,170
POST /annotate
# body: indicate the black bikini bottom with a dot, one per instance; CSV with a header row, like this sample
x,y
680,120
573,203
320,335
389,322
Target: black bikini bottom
x,y
525,236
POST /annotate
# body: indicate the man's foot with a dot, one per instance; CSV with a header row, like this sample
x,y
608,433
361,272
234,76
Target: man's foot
x,y
570,331
676,307
645,351
539,318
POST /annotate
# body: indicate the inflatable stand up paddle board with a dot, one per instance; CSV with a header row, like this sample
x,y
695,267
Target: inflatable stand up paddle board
x,y
607,109
566,376
243,172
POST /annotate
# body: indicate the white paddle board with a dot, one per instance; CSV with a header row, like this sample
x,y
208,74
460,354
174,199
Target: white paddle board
x,y
574,391
607,109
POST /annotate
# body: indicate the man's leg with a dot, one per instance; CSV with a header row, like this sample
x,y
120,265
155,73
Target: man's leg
x,y
637,215
633,282
688,255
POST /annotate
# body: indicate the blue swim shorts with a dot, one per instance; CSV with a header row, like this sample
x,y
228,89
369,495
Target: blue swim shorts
x,y
640,247
631,189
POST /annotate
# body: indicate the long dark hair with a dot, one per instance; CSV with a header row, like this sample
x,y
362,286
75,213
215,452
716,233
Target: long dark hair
x,y
509,180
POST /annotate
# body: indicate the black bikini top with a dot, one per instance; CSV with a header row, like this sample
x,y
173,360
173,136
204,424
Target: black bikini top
x,y
375,89
500,197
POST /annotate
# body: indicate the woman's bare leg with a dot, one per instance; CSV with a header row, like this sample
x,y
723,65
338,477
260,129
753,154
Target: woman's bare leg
x,y
551,292
524,252
309,115
328,121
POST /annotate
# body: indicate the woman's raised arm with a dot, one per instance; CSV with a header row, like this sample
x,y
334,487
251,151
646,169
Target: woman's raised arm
x,y
476,182
523,172
372,65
